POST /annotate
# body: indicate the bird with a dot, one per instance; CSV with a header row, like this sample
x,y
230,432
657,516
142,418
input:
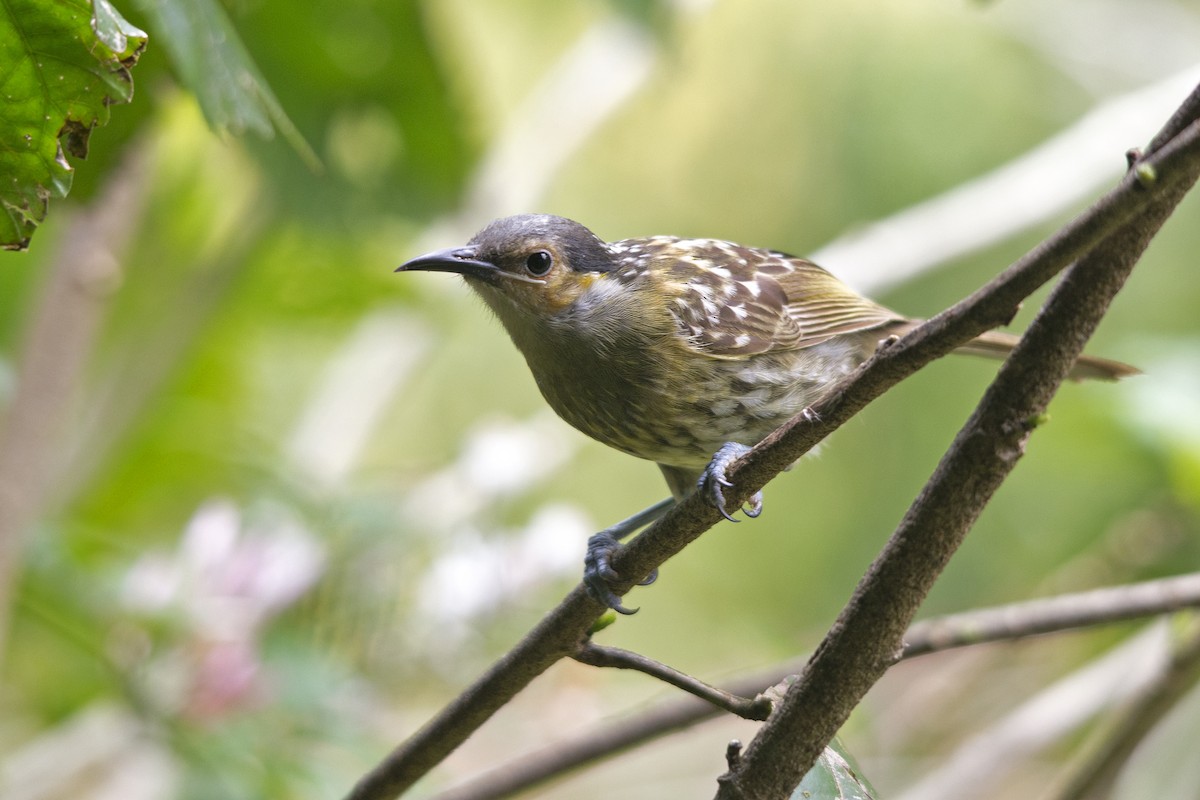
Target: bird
x,y
681,351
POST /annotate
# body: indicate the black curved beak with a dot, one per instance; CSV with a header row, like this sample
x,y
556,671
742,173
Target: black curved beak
x,y
462,260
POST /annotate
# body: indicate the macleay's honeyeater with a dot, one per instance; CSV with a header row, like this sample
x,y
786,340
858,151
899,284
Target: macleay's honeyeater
x,y
673,349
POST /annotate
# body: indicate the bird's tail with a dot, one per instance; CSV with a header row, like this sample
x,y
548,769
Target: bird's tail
x,y
995,344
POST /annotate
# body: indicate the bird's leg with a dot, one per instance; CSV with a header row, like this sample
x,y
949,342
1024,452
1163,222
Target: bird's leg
x,y
712,481
598,574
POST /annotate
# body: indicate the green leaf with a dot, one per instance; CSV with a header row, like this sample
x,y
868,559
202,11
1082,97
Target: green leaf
x,y
834,777
214,65
61,66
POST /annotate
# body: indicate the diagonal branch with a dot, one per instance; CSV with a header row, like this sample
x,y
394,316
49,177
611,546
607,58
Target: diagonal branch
x,y
867,638
999,623
557,635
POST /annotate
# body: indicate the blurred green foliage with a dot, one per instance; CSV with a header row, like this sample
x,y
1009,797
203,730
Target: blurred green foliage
x,y
253,279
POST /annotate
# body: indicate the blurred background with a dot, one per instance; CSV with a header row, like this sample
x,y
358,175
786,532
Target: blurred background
x,y
280,504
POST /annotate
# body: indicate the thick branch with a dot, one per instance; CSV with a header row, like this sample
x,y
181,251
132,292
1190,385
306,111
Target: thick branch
x,y
558,634
867,637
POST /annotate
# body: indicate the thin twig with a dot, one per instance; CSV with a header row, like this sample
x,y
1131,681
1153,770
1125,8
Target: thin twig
x,y
1001,623
558,633
1052,614
866,639
755,708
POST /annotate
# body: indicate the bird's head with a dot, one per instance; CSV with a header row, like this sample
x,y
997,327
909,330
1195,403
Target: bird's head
x,y
538,262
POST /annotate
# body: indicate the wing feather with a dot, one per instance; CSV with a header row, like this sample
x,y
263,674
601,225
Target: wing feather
x,y
824,307
734,302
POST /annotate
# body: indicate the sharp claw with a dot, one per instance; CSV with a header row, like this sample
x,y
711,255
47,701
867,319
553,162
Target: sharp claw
x,y
713,478
649,579
600,592
756,505
717,498
614,603
598,573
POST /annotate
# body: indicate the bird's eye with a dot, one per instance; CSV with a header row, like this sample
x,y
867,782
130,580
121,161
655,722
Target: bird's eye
x,y
539,262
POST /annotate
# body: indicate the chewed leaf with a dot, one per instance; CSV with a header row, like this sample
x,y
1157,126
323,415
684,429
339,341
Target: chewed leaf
x,y
61,66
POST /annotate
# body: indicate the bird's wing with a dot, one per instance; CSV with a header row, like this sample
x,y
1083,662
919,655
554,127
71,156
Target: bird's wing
x,y
823,307
732,302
